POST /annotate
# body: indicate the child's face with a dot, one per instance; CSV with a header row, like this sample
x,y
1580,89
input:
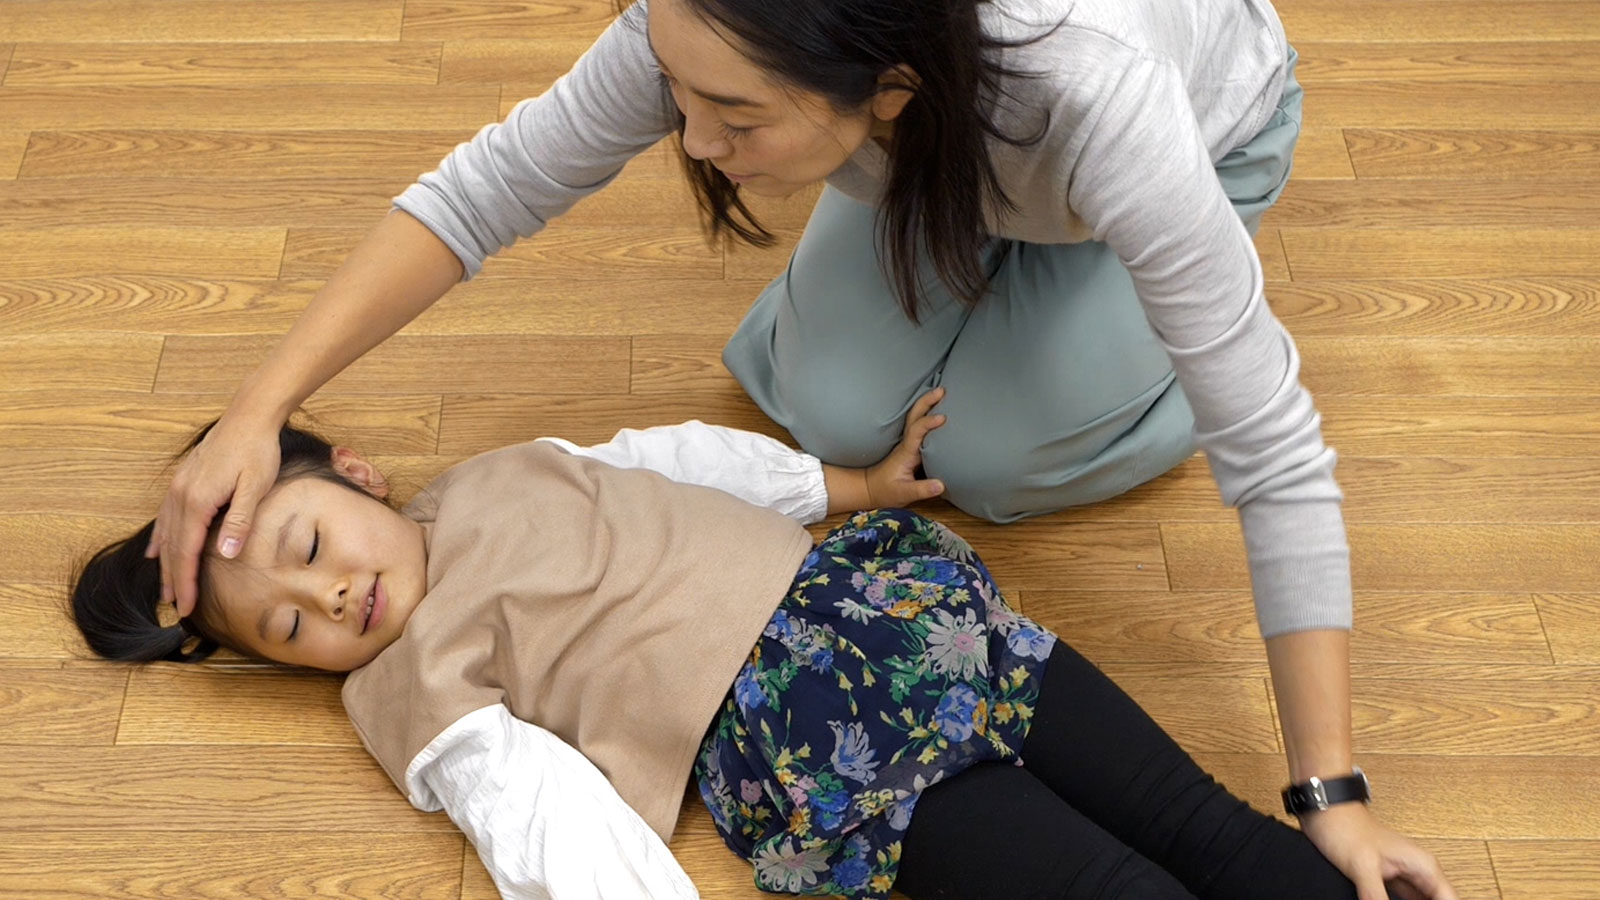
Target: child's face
x,y
327,578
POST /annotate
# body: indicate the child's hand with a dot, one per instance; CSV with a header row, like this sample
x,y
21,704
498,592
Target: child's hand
x,y
894,481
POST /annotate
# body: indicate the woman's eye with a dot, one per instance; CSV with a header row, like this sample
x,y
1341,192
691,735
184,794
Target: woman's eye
x,y
295,628
736,132
316,537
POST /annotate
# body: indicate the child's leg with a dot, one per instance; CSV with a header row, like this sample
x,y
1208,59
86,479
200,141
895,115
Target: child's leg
x,y
1102,754
996,831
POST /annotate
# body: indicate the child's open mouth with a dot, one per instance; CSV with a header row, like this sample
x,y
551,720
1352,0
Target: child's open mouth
x,y
372,612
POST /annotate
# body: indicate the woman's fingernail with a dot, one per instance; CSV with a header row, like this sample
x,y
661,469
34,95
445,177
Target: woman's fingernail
x,y
230,547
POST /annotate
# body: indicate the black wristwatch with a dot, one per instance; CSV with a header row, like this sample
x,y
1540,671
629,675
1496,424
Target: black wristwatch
x,y
1319,794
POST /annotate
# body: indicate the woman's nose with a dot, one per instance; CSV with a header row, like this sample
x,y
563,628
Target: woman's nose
x,y
700,138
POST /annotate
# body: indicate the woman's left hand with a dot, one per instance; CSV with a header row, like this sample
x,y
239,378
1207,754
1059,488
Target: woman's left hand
x,y
1370,855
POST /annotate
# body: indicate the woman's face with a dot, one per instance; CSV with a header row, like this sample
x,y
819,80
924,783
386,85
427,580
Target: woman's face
x,y
769,139
327,578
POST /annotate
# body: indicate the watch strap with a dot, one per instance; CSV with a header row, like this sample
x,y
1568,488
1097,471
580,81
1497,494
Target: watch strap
x,y
1320,793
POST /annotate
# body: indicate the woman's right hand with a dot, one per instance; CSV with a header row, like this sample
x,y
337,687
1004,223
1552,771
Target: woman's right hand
x,y
235,464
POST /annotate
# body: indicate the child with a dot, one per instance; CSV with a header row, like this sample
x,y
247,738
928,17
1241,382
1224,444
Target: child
x,y
550,639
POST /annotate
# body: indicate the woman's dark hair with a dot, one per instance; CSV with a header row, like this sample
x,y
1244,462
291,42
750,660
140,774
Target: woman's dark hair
x,y
941,174
117,595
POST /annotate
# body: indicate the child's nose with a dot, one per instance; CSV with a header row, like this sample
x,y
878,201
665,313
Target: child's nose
x,y
334,598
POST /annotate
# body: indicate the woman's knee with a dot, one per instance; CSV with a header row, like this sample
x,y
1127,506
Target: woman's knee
x,y
984,474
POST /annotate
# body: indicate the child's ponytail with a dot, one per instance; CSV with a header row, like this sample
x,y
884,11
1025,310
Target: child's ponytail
x,y
117,597
115,605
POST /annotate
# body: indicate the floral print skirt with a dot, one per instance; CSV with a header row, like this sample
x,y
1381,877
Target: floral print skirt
x,y
892,663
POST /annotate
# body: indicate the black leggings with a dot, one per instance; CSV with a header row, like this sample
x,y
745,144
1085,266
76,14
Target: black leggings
x,y
1106,807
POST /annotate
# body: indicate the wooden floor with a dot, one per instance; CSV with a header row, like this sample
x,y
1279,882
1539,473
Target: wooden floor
x,y
178,176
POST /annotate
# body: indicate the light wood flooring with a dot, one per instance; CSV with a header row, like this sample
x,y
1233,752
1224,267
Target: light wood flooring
x,y
178,176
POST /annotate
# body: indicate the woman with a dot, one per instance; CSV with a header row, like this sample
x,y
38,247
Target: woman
x,y
1043,206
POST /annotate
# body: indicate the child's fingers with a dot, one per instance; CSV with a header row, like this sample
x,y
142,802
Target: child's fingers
x,y
920,408
920,428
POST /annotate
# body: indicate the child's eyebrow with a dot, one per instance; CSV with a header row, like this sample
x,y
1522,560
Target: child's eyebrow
x,y
261,624
283,533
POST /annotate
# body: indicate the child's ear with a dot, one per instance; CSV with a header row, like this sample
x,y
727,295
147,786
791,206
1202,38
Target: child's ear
x,y
351,466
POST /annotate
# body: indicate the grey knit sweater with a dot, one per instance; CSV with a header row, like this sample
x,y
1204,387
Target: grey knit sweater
x,y
1144,97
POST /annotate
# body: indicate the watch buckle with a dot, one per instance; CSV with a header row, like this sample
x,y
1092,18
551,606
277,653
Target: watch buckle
x,y
1319,794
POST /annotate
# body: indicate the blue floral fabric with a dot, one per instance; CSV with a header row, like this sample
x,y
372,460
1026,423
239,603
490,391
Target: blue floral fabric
x,y
892,663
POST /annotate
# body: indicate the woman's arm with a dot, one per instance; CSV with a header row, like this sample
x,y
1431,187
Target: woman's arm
x,y
506,183
545,821
760,470
397,271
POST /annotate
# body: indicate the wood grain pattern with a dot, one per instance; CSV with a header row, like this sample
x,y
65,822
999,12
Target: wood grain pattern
x,y
45,705
1476,718
1444,153
180,171
1393,489
1549,307
79,361
1321,154
1463,426
1572,623
1425,202
502,60
310,62
563,250
13,147
1332,62
1452,252
125,421
668,363
332,153
1546,870
1510,557
1458,104
297,708
1220,714
231,107
199,202
1439,20
1518,797
1423,366
47,548
36,626
200,20
415,364
479,422
135,864
153,303
212,789
479,19
145,250
1220,626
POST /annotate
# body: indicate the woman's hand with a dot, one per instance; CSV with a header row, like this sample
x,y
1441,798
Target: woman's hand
x,y
238,462
1370,855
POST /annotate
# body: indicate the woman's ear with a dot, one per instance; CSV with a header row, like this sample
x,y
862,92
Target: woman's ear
x,y
896,87
353,468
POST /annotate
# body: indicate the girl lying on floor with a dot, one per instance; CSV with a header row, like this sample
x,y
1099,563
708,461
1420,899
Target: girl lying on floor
x,y
550,640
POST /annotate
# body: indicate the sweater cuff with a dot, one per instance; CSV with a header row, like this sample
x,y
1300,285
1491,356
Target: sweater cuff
x,y
1299,564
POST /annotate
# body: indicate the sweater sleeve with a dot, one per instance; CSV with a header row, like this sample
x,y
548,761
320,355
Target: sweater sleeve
x,y
553,150
1145,185
546,823
752,467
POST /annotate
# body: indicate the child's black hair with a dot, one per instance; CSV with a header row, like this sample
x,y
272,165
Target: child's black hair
x,y
117,595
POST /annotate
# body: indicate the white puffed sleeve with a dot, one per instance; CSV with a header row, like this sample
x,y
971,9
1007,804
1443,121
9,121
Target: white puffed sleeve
x,y
546,822
752,467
